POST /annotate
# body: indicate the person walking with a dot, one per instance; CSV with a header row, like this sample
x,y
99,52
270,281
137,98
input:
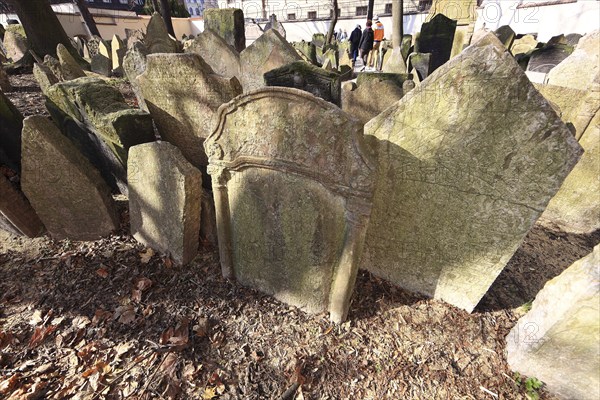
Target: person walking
x,y
354,42
378,35
366,43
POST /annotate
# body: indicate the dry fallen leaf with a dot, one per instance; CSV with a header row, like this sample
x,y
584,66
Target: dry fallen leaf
x,y
40,334
125,314
102,272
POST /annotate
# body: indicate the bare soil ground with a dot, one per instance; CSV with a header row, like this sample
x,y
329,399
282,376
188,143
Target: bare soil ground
x,y
111,319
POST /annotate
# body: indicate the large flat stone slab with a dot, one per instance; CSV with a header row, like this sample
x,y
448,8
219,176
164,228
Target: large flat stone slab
x,y
164,200
65,190
368,100
216,52
292,179
468,160
16,214
436,38
558,341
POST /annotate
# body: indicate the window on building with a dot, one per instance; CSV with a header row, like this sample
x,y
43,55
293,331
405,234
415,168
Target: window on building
x,y
197,11
388,8
362,10
291,16
191,11
312,15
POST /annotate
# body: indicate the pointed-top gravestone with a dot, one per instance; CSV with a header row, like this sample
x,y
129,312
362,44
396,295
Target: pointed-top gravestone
x,y
227,23
69,66
65,190
292,178
268,52
157,39
222,58
44,76
436,38
506,35
183,94
274,24
468,160
164,200
118,50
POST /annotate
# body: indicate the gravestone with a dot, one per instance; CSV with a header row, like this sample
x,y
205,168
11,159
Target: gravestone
x,y
268,52
579,70
310,78
307,51
318,39
468,160
558,341
15,45
93,46
133,36
134,64
332,56
16,214
101,65
436,38
572,39
420,64
54,66
183,94
274,24
65,190
524,45
393,61
405,46
118,49
227,23
398,79
104,49
11,123
506,35
292,178
103,110
544,59
214,50
157,39
44,77
368,100
164,200
5,85
327,66
68,65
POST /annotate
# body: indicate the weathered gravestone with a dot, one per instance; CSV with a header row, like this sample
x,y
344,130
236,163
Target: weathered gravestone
x,y
183,94
65,190
310,78
54,66
68,65
544,59
572,39
420,64
44,76
134,64
307,51
227,23
274,24
11,123
579,70
5,85
222,58
101,65
157,39
164,200
93,46
436,38
293,179
16,46
576,208
103,110
558,341
523,45
268,52
368,100
16,214
506,35
464,172
118,49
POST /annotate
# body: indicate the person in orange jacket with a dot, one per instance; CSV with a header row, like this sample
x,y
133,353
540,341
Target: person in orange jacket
x,y
378,35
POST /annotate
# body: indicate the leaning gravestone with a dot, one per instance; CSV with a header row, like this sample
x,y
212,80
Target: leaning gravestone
x,y
11,123
183,94
292,178
468,160
54,66
268,52
157,39
310,78
421,65
118,49
506,35
164,200
65,190
307,51
93,46
227,23
68,65
222,58
16,46
16,214
558,341
101,65
44,76
134,64
102,108
366,101
274,24
437,37
544,59
579,70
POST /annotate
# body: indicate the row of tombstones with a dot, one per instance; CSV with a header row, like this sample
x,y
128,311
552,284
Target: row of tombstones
x,y
435,197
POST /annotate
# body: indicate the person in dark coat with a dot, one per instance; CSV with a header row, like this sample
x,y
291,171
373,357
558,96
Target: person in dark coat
x,y
354,42
366,43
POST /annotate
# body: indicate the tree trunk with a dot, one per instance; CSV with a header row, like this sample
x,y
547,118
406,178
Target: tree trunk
x,y
370,10
333,22
264,9
42,27
165,11
87,17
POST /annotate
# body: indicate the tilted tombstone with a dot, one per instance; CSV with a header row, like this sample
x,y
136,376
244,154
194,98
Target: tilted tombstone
x,y
134,64
11,124
544,59
274,24
222,58
406,46
366,101
227,23
307,51
183,94
65,190
118,49
54,66
292,178
68,65
421,65
16,214
467,162
44,77
310,78
506,35
15,45
157,39
579,70
436,38
573,39
164,200
268,52
558,341
101,65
